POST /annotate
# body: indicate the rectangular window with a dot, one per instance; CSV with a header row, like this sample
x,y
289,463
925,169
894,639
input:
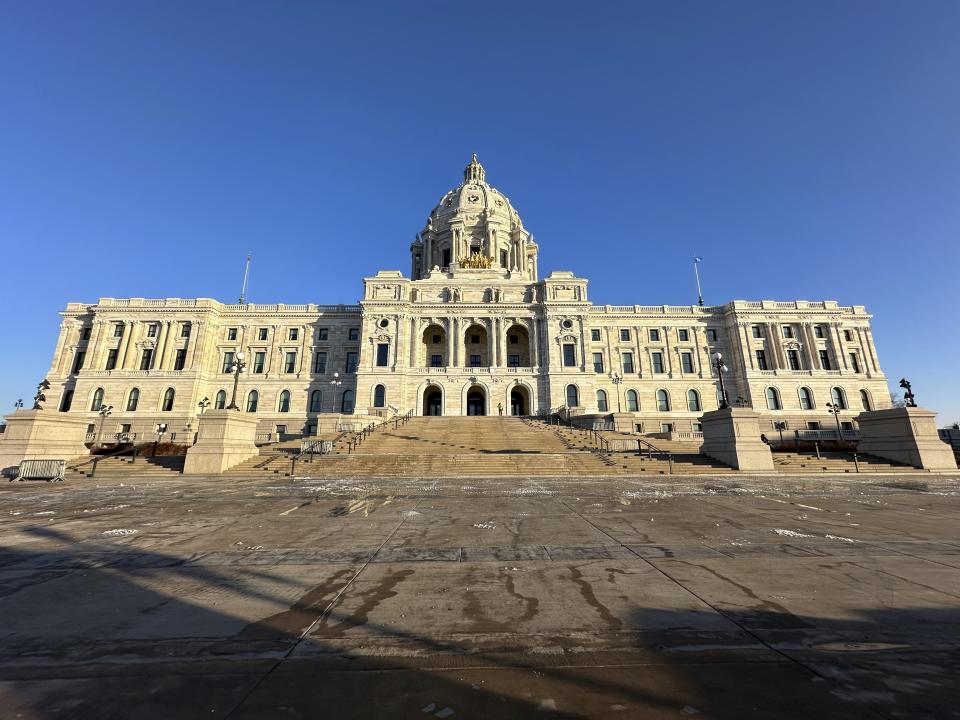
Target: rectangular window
x,y
793,359
813,425
848,335
437,339
825,360
290,362
152,330
85,334
854,363
146,359
262,334
627,363
761,360
185,330
654,336
595,335
513,361
846,425
711,335
118,330
258,361
818,331
503,258
684,335
111,359
78,361
598,362
787,331
436,361
320,363
569,355
180,360
666,427
231,333
323,333
656,359
757,331
294,334
686,362
383,354
474,361
227,362
696,427
351,366
624,336
354,334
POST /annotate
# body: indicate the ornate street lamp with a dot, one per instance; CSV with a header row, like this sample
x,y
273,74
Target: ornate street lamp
x,y
18,404
718,364
104,413
204,404
616,378
835,411
238,367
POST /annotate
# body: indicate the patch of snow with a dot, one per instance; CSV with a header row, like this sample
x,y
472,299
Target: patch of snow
x,y
791,533
809,507
485,525
119,532
547,705
841,539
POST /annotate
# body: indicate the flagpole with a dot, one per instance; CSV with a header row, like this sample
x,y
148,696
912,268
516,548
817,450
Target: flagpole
x,y
696,271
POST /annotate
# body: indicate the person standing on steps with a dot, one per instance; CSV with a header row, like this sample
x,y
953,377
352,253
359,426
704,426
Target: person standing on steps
x,y
500,408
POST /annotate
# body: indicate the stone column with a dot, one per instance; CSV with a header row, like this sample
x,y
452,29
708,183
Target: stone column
x,y
809,346
161,349
451,330
498,330
838,355
535,343
414,343
124,345
747,346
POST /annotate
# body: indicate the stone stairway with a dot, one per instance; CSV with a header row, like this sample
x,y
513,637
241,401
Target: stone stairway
x,y
123,467
470,447
834,462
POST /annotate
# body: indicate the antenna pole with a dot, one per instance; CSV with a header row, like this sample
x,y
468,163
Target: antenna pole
x,y
246,274
696,271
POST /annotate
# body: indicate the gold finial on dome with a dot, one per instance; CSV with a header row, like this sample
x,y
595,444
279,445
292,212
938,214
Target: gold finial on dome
x,y
474,172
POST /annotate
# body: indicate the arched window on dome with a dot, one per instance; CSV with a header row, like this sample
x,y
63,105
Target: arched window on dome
x,y
601,401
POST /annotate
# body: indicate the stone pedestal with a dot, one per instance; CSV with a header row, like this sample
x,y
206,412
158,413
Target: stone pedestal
x,y
732,436
224,438
42,435
907,435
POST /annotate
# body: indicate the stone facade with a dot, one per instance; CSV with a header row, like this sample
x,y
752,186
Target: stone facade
x,y
473,328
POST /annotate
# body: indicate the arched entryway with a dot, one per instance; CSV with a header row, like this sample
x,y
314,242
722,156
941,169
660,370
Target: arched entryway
x,y
476,347
476,401
432,401
518,346
434,347
519,401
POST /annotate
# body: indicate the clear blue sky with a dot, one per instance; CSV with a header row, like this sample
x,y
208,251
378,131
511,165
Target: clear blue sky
x,y
805,150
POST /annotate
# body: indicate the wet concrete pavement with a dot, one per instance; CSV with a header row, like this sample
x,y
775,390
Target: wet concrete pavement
x,y
507,599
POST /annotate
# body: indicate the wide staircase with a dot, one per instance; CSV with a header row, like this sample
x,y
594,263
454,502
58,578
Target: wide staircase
x,y
472,447
834,462
123,467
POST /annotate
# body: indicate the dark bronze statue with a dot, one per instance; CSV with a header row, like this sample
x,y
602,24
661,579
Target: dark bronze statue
x,y
40,397
908,399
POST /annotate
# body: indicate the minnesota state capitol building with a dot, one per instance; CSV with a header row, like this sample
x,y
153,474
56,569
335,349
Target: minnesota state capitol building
x,y
473,330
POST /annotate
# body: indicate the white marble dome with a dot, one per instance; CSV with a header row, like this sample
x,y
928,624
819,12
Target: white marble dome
x,y
473,201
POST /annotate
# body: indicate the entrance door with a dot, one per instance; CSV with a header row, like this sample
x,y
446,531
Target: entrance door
x,y
433,403
517,403
475,403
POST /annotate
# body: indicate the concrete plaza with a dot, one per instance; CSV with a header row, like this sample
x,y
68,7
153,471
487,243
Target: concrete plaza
x,y
510,598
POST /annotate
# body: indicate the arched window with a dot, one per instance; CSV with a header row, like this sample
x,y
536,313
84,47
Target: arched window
x,y
316,399
773,399
601,401
839,398
168,397
806,399
693,401
253,399
633,403
663,401
133,399
97,400
573,396
67,401
865,400
380,396
346,402
284,404
220,401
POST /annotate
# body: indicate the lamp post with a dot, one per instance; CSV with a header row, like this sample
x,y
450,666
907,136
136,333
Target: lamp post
x,y
718,364
617,378
238,367
204,404
835,411
780,426
335,383
18,404
161,431
104,413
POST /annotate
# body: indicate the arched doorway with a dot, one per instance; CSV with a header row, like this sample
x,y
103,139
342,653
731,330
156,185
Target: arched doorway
x,y
519,401
476,401
432,401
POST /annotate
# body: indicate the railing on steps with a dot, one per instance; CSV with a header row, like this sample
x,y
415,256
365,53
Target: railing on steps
x,y
93,461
